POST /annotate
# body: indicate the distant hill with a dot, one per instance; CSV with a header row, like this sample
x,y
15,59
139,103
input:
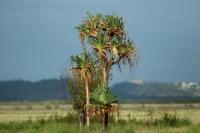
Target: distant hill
x,y
19,90
157,92
49,89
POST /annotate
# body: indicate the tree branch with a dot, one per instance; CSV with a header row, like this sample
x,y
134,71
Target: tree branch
x,y
117,61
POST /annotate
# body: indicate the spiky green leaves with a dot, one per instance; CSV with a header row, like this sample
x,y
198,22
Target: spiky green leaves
x,y
96,25
82,61
82,66
102,96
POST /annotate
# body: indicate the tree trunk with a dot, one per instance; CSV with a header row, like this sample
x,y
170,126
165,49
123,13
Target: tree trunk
x,y
105,123
81,120
105,76
105,79
87,103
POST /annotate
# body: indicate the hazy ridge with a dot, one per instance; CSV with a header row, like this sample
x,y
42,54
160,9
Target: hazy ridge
x,y
20,90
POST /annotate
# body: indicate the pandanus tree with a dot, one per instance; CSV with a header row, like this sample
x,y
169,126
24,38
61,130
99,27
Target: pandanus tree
x,y
103,99
82,67
106,36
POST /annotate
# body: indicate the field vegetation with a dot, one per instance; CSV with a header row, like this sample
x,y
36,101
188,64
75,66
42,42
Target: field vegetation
x,y
57,117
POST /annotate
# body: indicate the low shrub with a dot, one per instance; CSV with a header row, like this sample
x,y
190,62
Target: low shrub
x,y
170,120
48,107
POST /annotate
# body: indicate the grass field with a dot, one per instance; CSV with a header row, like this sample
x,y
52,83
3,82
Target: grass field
x,y
132,117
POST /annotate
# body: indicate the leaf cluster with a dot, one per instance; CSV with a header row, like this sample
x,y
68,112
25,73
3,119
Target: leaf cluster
x,y
102,96
106,36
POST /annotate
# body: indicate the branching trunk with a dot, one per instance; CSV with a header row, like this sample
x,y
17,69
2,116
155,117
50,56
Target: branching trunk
x,y
106,72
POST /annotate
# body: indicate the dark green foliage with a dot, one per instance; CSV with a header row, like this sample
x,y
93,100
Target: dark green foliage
x,y
170,120
173,120
77,93
41,121
17,108
29,107
48,107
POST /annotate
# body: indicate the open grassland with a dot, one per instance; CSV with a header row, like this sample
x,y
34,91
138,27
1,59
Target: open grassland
x,y
156,111
37,117
25,111
63,127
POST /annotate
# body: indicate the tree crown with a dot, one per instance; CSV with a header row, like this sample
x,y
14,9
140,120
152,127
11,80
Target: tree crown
x,y
106,36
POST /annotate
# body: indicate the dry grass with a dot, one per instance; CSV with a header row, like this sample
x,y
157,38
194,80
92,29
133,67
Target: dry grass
x,y
17,112
156,111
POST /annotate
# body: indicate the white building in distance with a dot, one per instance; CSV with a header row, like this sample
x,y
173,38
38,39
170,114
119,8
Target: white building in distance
x,y
186,85
138,82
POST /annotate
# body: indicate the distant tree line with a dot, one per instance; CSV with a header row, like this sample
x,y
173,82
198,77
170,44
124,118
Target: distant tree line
x,y
20,90
155,92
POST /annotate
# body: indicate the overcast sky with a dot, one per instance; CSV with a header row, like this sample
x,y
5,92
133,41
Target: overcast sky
x,y
37,37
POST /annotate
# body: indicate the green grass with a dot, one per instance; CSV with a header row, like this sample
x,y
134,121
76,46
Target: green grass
x,y
68,124
133,118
